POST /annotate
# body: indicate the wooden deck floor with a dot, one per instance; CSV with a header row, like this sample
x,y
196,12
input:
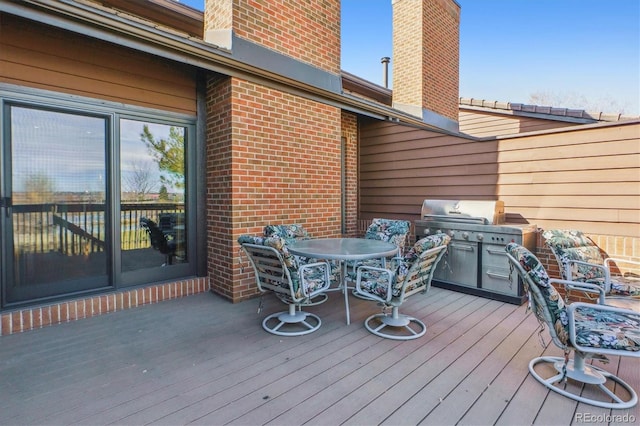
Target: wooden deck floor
x,y
203,360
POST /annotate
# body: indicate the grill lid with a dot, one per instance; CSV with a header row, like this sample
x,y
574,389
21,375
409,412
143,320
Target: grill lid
x,y
464,211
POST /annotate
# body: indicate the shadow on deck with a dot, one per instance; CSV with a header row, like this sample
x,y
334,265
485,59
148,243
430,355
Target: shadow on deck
x,y
203,360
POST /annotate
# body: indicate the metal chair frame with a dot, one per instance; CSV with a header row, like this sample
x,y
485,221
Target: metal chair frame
x,y
272,274
417,280
577,368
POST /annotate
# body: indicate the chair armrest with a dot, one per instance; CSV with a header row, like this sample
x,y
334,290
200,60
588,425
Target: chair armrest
x,y
389,281
618,261
586,287
326,277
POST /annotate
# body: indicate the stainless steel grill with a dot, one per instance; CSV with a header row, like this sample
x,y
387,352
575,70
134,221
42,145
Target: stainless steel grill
x,y
476,262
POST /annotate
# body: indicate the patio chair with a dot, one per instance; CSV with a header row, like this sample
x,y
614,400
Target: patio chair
x,y
159,240
277,271
391,287
290,233
580,259
591,331
390,230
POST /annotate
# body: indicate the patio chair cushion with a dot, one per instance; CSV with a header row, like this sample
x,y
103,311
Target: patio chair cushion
x,y
376,281
293,232
573,245
389,230
288,232
606,330
594,328
313,277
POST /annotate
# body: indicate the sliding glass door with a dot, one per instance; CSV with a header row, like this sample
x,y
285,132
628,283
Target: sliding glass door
x,y
92,201
54,169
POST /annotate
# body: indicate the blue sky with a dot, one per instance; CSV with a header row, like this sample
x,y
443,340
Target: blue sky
x,y
574,53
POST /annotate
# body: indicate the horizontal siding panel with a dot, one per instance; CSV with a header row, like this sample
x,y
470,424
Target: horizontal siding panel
x,y
574,153
86,86
576,135
411,140
602,162
592,215
484,152
593,189
158,81
39,56
588,177
631,202
27,35
432,181
431,170
573,176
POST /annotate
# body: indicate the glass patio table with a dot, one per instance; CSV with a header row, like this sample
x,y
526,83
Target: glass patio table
x,y
343,250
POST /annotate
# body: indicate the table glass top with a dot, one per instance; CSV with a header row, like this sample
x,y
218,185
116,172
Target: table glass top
x,y
342,248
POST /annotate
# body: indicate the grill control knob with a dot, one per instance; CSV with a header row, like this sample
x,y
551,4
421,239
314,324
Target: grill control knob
x,y
480,237
465,235
451,233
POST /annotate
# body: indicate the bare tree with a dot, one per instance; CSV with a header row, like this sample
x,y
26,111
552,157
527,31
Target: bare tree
x,y
39,189
139,180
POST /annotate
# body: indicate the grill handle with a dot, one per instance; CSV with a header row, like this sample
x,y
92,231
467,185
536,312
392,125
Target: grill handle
x,y
498,252
461,247
499,276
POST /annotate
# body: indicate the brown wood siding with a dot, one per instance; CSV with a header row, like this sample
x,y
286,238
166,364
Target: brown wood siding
x,y
585,178
39,56
480,124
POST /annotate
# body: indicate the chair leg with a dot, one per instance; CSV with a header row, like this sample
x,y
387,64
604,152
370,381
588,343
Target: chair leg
x,y
398,326
585,374
292,317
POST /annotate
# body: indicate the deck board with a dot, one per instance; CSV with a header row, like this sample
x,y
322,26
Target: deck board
x,y
203,360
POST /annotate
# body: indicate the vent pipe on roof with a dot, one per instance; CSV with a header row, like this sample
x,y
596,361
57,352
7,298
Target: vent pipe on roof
x,y
385,70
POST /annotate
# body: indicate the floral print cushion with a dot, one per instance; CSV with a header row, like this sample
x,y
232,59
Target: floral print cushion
x,y
313,278
288,232
390,230
377,282
569,245
595,328
294,232
547,299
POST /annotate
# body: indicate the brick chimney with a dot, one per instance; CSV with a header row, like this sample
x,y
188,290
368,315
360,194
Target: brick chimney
x,y
308,31
426,51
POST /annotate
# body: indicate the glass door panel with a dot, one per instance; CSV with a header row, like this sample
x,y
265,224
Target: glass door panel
x,y
153,229
56,171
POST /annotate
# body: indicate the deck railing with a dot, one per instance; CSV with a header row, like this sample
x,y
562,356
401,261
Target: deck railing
x,y
81,228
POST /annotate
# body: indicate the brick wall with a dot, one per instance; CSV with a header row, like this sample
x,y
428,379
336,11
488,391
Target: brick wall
x,y
350,135
307,30
272,157
426,54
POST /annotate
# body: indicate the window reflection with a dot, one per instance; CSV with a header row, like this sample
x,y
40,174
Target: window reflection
x,y
58,164
152,182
